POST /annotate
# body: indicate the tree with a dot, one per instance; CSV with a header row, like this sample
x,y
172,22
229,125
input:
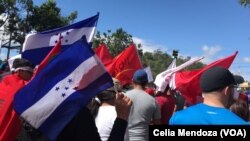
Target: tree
x,y
23,17
157,60
244,2
10,23
26,6
116,42
48,16
5,6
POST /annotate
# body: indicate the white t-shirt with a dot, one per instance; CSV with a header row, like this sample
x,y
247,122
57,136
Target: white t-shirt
x,y
105,120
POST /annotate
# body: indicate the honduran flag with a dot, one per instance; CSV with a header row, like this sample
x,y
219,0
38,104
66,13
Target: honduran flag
x,y
61,89
37,45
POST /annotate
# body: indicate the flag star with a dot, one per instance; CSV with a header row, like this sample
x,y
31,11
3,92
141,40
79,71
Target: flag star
x,y
63,94
66,88
67,32
56,41
66,40
70,80
61,37
57,88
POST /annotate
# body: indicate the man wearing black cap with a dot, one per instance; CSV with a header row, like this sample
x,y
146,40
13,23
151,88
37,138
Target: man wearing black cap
x,y
217,85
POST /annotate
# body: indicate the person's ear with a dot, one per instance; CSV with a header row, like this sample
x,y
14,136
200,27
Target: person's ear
x,y
227,90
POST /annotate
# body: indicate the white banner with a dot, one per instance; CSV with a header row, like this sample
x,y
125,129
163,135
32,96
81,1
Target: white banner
x,y
149,73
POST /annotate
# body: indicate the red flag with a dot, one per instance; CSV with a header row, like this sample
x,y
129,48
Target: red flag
x,y
103,54
188,82
125,64
10,124
54,52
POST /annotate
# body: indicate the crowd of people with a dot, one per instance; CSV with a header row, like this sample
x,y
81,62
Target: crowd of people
x,y
119,113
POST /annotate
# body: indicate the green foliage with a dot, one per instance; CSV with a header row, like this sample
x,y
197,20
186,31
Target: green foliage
x,y
23,17
13,18
48,16
244,2
157,60
116,42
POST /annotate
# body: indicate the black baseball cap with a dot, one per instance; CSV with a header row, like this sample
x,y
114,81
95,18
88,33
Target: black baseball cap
x,y
216,78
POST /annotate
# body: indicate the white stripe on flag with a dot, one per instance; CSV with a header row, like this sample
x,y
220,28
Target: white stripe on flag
x,y
43,108
172,83
69,37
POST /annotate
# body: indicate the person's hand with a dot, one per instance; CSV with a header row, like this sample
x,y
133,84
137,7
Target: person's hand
x,y
122,106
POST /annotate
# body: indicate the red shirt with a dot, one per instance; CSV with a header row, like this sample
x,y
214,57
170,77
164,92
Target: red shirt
x,y
10,124
166,104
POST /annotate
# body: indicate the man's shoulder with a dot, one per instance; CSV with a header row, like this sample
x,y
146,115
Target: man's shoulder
x,y
134,92
139,94
188,110
186,116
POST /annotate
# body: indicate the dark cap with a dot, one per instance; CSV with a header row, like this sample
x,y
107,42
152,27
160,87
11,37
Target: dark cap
x,y
238,79
140,76
216,78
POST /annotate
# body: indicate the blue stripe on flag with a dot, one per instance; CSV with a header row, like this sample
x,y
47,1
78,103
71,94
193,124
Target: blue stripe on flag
x,y
39,52
65,112
56,69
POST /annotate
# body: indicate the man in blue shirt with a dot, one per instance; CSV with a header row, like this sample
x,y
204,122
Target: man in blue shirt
x,y
217,85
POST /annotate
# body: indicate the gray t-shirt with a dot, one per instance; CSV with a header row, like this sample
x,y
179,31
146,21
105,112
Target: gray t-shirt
x,y
143,110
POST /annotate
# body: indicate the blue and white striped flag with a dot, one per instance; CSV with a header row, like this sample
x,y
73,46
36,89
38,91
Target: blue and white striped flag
x,y
37,45
61,89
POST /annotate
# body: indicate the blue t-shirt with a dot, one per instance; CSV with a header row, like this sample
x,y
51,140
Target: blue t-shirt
x,y
201,114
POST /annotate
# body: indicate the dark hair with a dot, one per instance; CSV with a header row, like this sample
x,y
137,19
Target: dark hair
x,y
163,93
240,108
20,62
93,106
143,85
105,96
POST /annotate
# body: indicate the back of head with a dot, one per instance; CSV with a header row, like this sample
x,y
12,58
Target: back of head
x,y
110,93
240,108
215,79
140,77
23,64
106,96
23,68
